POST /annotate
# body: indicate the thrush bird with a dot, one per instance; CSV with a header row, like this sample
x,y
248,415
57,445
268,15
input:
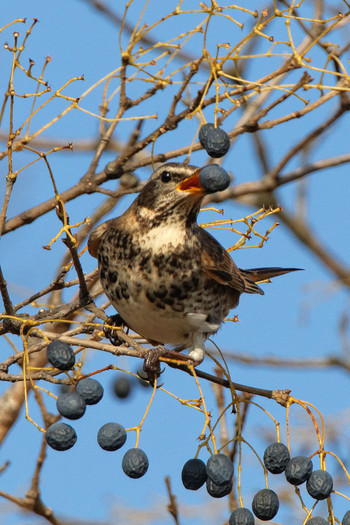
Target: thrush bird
x,y
168,278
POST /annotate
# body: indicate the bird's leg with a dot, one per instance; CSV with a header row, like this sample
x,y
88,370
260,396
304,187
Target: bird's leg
x,y
112,333
197,348
203,326
151,365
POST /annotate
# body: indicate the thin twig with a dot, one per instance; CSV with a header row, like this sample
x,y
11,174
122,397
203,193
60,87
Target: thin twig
x,y
172,505
280,395
5,295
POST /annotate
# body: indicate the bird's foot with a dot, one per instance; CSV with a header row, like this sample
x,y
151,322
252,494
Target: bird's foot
x,y
196,355
151,365
110,332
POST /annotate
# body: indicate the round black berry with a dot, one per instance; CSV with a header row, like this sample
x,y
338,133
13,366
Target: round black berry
x,y
219,491
122,387
265,504
61,436
346,518
90,390
298,470
60,355
241,516
320,484
214,140
276,458
135,463
143,378
220,469
317,520
213,178
111,436
71,405
194,474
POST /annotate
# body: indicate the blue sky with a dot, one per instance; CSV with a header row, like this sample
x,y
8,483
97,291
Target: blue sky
x,y
297,318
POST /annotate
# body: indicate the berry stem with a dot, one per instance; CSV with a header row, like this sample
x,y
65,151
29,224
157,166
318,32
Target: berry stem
x,y
207,415
139,427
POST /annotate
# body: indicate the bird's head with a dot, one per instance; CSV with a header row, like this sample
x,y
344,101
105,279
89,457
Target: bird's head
x,y
172,193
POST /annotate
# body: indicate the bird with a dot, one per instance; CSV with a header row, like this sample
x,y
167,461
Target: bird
x,y
169,279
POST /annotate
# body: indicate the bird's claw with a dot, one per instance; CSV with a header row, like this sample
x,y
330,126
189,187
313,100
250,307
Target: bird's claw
x,y
151,364
110,332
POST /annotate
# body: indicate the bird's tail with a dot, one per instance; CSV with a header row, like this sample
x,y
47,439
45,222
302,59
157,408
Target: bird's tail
x,y
263,275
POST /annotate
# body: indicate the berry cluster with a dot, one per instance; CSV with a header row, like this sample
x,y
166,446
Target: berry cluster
x,y
298,470
216,142
72,405
218,474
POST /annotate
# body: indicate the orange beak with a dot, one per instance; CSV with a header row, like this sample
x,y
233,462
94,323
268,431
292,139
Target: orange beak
x,y
192,185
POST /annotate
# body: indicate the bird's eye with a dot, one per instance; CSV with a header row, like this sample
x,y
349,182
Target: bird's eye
x,y
165,176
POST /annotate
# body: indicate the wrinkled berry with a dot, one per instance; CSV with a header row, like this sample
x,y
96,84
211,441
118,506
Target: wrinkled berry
x,y
90,390
276,458
214,140
219,491
317,520
135,463
111,436
122,387
320,484
60,355
265,504
61,436
71,405
194,474
298,470
241,516
220,469
213,178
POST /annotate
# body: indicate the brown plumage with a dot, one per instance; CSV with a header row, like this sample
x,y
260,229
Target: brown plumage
x,y
169,279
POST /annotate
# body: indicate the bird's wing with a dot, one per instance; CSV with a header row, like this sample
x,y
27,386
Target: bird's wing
x,y
260,275
218,265
95,237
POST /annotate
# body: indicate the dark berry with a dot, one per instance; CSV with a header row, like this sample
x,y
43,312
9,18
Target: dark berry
x,y
71,405
317,520
213,178
61,436
122,387
194,474
218,491
320,484
220,469
90,390
346,519
241,516
276,458
214,140
135,463
60,355
298,470
143,378
111,436
265,504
